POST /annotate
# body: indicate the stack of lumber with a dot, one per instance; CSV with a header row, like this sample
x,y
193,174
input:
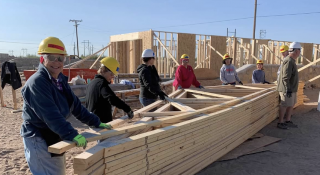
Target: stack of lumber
x,y
185,147
195,128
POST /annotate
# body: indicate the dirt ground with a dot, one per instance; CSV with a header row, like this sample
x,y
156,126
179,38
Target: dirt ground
x,y
297,153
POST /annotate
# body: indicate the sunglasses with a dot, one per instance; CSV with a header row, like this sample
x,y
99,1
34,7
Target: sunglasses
x,y
60,58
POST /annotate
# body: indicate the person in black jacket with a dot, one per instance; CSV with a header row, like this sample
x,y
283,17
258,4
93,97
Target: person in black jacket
x,y
149,79
10,75
100,98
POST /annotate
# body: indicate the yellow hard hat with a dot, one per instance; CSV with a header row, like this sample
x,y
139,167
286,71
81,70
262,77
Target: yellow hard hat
x,y
184,56
259,62
52,45
226,56
284,48
112,64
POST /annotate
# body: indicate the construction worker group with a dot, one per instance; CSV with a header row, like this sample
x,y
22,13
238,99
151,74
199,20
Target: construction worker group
x,y
49,100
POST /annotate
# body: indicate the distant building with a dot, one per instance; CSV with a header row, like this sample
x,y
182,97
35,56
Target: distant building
x,y
4,55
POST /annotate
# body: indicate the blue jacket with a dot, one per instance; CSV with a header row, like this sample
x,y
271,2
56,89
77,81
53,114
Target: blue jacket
x,y
45,106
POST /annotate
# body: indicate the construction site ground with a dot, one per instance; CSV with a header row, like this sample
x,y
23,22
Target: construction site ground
x,y
296,153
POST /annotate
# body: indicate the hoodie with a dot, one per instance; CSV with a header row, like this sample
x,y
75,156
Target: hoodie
x,y
228,74
100,99
149,80
185,77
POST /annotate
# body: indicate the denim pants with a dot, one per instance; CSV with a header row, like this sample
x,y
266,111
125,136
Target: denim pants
x,y
234,83
39,159
146,101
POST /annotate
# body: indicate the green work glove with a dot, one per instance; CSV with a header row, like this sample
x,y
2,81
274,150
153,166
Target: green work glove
x,y
80,141
105,126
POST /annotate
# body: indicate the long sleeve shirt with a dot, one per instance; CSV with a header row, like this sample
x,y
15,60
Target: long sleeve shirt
x,y
228,74
185,77
258,76
46,107
289,77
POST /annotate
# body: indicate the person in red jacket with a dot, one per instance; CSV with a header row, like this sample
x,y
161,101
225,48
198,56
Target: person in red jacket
x,y
184,75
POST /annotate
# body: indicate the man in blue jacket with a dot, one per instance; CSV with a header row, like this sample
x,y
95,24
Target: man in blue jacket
x,y
48,102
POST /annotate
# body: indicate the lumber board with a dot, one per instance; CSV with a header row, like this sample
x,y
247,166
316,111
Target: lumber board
x,y
214,149
182,95
159,114
214,157
88,158
153,136
165,107
248,87
192,100
218,125
191,153
63,146
196,96
208,94
89,170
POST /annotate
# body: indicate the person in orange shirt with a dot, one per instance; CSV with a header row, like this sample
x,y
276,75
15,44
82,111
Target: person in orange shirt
x,y
184,76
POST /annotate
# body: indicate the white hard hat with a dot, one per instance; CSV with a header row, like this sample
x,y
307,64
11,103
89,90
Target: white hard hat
x,y
147,53
295,45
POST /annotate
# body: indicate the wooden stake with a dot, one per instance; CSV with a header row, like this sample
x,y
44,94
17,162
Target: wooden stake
x,y
14,99
1,95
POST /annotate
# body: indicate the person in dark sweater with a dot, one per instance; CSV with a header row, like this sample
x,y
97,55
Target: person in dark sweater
x,y
100,98
48,102
258,75
149,79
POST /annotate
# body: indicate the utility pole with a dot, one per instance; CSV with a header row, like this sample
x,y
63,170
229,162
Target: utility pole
x,y
11,51
263,34
84,47
254,28
24,51
76,25
74,48
92,49
88,47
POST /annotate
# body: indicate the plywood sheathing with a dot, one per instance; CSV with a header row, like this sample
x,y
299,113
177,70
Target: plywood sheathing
x,y
187,45
125,37
137,53
205,74
219,43
307,52
147,39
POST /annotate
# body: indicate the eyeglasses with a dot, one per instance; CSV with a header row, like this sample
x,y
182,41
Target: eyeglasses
x,y
60,58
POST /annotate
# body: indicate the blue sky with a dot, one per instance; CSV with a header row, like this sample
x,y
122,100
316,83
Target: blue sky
x,y
30,21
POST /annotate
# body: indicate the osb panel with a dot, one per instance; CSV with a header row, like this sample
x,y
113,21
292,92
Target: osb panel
x,y
205,74
245,40
307,52
219,43
129,56
147,39
187,45
262,41
121,52
138,53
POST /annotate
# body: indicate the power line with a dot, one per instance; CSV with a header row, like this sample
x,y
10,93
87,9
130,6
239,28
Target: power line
x,y
76,25
84,48
217,21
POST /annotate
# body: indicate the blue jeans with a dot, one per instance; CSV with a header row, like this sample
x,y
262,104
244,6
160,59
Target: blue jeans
x,y
39,159
146,101
234,83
